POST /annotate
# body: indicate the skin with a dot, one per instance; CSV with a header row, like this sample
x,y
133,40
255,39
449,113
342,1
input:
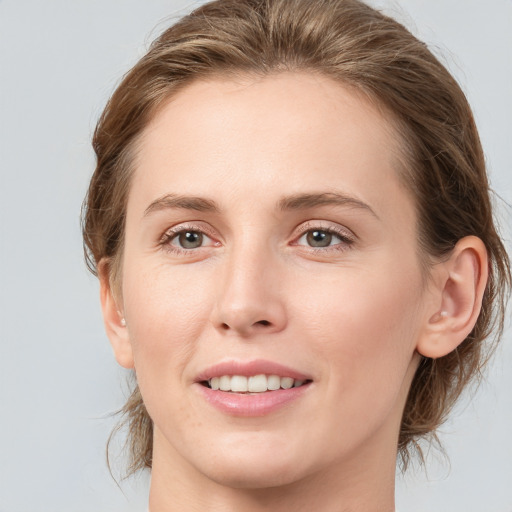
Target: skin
x,y
353,315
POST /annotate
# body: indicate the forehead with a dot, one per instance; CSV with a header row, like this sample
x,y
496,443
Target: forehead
x,y
269,135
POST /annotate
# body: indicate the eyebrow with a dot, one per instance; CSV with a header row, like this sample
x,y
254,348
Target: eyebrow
x,y
305,201
294,202
168,201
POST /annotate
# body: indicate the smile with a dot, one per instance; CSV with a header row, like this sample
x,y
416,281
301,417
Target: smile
x,y
252,384
252,388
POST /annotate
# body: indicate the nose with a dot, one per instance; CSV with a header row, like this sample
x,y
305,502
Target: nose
x,y
249,300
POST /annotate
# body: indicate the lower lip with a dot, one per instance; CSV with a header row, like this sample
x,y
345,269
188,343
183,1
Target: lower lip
x,y
258,404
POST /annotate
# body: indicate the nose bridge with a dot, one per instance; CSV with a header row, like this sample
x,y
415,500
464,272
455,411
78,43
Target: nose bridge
x,y
248,298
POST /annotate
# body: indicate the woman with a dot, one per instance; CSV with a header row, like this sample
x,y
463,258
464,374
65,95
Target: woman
x,y
291,224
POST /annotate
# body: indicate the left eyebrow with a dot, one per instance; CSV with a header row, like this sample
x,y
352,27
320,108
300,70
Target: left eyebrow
x,y
304,201
170,201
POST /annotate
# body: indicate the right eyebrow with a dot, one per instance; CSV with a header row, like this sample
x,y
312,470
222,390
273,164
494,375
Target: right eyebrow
x,y
172,201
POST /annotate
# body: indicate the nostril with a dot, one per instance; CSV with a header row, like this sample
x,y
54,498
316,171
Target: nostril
x,y
244,328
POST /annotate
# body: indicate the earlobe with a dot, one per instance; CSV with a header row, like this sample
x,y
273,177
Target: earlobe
x,y
113,319
459,287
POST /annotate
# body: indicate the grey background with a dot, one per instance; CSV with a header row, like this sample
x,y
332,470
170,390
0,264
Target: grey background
x,y
59,61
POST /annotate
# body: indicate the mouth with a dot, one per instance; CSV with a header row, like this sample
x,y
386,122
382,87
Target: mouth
x,y
252,388
254,384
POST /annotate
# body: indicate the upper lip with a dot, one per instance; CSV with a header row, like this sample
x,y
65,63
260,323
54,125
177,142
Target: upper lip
x,y
249,368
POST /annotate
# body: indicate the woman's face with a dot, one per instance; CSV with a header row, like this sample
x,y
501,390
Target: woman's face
x,y
268,234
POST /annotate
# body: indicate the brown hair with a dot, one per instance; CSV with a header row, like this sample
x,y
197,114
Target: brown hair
x,y
348,41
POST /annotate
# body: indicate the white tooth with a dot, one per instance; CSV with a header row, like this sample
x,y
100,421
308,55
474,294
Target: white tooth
x,y
214,382
273,382
298,383
286,382
225,383
238,383
257,384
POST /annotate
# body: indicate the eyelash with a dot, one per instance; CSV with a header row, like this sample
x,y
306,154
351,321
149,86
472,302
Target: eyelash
x,y
172,234
345,239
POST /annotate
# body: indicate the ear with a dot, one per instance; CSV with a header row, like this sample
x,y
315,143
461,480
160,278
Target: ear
x,y
458,288
113,318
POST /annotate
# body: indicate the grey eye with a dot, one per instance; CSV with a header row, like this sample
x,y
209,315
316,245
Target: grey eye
x,y
190,239
319,238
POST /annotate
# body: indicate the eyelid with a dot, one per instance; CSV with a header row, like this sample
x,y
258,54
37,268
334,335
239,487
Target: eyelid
x,y
190,226
171,233
322,225
346,235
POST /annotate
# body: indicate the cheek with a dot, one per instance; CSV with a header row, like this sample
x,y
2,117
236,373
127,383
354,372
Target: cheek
x,y
368,309
364,327
166,310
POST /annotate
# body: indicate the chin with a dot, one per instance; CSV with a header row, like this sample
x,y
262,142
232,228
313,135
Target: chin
x,y
256,476
257,461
